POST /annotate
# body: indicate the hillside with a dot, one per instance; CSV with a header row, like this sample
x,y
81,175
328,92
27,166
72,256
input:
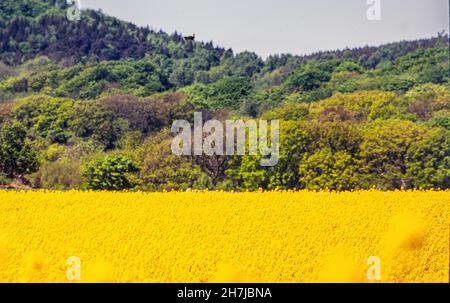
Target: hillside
x,y
101,94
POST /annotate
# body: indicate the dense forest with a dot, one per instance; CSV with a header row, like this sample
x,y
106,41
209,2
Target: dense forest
x,y
89,104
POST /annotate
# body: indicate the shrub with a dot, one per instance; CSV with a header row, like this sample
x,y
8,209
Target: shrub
x,y
109,173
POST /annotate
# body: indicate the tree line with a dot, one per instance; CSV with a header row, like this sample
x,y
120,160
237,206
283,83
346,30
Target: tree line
x,y
89,105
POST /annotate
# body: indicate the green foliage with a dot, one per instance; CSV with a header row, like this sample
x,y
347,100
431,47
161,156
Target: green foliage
x,y
109,173
4,180
17,157
25,8
391,149
441,120
357,106
294,142
62,174
267,99
162,170
45,116
6,71
229,92
94,120
250,175
141,78
246,64
327,170
349,66
428,163
308,78
288,111
337,136
356,118
426,100
182,75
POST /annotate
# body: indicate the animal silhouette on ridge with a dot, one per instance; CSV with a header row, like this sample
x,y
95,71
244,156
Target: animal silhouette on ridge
x,y
190,38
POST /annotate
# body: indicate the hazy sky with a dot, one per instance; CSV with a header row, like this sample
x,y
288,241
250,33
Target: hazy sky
x,y
284,26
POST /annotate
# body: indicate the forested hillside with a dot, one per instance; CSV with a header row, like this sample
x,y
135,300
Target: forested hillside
x,y
89,104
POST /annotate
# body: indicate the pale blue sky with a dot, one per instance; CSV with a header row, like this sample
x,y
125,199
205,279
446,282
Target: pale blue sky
x,y
284,26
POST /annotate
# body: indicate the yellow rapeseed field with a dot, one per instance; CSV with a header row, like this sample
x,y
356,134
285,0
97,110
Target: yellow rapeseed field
x,y
224,237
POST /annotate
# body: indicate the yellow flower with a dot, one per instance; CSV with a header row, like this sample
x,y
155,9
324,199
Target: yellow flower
x,y
278,236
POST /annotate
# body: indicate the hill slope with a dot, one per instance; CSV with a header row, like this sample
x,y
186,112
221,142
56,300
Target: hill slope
x,y
81,97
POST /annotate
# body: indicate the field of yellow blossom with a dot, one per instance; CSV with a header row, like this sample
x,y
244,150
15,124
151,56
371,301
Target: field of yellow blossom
x,y
301,236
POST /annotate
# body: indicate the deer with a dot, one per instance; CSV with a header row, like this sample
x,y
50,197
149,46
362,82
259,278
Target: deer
x,y
189,38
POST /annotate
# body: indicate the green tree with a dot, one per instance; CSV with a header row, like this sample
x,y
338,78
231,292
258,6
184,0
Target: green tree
x,y
62,174
428,163
311,76
17,157
97,121
162,170
110,173
349,66
45,116
325,169
250,175
230,92
386,152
